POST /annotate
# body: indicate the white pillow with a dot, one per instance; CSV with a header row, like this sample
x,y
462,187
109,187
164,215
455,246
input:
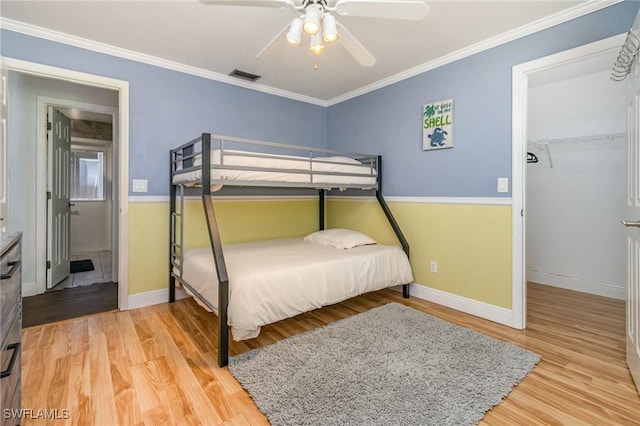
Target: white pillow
x,y
339,238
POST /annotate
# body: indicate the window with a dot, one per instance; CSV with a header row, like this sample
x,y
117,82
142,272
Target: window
x,y
87,175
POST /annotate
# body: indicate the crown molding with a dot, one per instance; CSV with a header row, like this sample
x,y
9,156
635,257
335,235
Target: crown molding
x,y
539,25
523,31
83,43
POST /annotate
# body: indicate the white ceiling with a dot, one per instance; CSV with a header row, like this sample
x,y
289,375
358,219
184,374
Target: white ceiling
x,y
217,39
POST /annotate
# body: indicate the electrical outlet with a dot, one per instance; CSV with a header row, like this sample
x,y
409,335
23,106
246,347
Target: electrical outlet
x,y
434,266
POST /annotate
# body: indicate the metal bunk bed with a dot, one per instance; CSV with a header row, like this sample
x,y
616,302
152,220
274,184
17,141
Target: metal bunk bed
x,y
308,172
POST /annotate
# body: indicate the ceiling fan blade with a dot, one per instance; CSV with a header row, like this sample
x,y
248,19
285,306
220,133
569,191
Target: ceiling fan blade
x,y
408,10
355,48
253,3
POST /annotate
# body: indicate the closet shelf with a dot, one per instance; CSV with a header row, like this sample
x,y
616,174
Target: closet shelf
x,y
545,143
590,138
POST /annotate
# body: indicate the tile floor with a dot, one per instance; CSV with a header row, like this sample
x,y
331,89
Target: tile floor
x,y
101,271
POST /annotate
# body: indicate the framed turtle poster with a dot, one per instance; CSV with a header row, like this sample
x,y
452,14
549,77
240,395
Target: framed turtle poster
x,y
437,125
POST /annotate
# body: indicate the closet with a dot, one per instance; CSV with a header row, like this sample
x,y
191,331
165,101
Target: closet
x,y
576,180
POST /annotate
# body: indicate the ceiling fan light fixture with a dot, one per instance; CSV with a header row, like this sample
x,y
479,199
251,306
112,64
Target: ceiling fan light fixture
x,y
316,45
295,32
313,16
329,29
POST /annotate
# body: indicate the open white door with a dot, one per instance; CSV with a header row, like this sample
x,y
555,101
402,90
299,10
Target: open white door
x,y
58,206
632,223
4,107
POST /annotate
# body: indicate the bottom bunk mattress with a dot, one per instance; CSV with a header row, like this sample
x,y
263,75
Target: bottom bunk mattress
x,y
277,279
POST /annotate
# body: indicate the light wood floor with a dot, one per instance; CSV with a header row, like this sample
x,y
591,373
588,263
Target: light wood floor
x,y
157,365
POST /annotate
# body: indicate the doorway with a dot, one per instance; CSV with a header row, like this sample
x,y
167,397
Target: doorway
x,y
92,173
574,59
28,213
81,237
576,183
81,251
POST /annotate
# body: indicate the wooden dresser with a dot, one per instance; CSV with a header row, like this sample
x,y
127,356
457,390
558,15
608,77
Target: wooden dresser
x,y
10,327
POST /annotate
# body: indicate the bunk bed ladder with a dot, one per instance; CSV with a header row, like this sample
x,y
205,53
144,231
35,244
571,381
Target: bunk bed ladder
x,y
392,221
172,235
216,246
176,248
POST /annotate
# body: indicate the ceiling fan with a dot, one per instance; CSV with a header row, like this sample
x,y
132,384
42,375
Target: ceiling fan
x,y
317,20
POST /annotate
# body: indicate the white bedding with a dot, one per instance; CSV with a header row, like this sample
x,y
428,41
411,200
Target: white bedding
x,y
288,165
277,279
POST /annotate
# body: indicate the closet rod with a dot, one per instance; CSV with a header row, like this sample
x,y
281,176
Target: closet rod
x,y
607,136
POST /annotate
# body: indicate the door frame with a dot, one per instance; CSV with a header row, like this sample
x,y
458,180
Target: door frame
x,y
121,120
42,103
520,79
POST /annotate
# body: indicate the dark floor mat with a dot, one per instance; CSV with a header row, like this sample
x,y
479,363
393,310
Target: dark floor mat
x,y
81,266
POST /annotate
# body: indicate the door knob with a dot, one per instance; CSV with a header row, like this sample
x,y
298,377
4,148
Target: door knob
x,y
631,223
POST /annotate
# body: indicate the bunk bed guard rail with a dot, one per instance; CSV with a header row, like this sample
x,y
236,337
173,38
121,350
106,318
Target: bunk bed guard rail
x,y
299,167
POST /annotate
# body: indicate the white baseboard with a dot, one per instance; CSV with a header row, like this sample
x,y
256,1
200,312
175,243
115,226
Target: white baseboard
x,y
480,309
463,304
30,289
584,286
154,297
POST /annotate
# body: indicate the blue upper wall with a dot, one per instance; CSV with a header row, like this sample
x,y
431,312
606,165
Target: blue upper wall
x,y
388,121
169,108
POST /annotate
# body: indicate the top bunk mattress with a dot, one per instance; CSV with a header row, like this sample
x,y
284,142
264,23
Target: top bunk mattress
x,y
277,279
240,167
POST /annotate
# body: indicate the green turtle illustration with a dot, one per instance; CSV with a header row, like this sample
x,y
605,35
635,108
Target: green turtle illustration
x,y
429,111
438,137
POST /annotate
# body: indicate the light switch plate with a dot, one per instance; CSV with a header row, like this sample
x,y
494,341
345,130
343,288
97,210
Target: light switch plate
x,y
140,185
503,184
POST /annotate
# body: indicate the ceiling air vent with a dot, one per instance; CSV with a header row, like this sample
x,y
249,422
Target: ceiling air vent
x,y
244,75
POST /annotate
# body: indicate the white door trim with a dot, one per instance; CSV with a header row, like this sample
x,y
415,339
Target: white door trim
x,y
520,77
122,87
42,103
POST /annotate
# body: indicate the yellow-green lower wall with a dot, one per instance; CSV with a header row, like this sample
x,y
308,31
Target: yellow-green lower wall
x,y
239,221
471,243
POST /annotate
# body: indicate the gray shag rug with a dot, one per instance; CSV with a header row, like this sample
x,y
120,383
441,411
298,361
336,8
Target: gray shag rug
x,y
391,365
